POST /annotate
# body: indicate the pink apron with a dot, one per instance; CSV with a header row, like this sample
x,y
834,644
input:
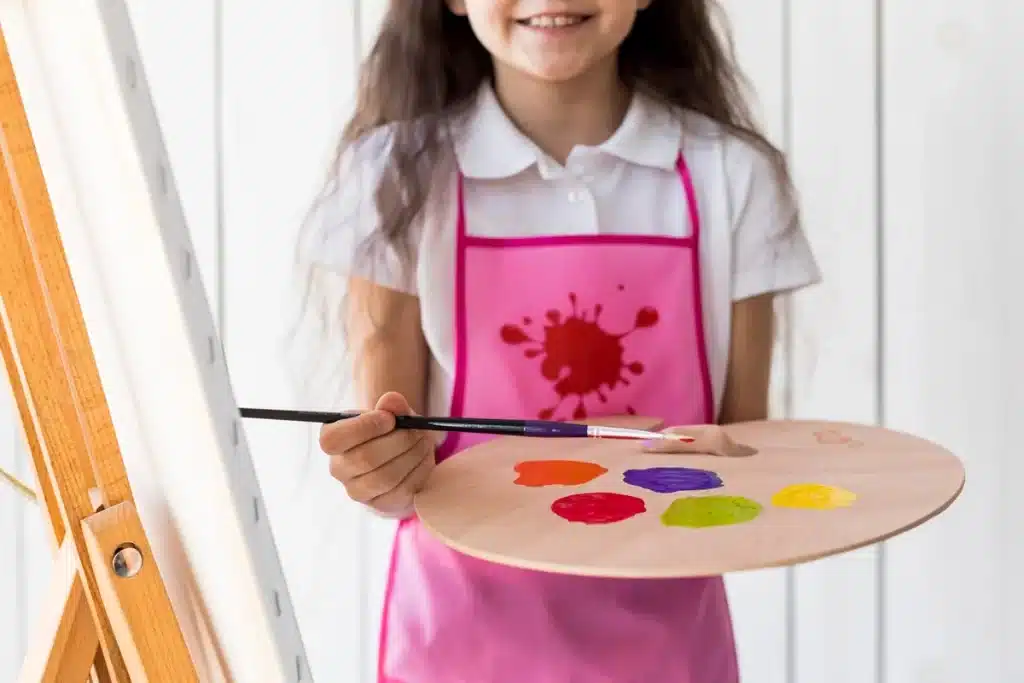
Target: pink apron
x,y
563,327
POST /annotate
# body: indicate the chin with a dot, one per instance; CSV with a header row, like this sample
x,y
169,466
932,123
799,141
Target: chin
x,y
558,73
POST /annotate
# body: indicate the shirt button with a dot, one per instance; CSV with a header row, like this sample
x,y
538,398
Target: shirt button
x,y
575,196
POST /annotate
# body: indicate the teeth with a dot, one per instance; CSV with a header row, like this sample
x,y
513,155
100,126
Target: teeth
x,y
554,21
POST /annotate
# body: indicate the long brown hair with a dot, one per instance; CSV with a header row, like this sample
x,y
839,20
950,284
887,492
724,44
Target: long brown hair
x,y
426,65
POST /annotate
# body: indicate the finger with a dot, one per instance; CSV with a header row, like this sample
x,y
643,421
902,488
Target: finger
x,y
417,479
344,435
373,454
401,497
389,475
394,403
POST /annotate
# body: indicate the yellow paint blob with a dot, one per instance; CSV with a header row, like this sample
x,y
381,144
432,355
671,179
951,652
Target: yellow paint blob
x,y
813,497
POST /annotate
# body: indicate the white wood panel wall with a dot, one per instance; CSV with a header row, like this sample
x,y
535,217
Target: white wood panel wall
x,y
762,602
954,148
834,355
904,130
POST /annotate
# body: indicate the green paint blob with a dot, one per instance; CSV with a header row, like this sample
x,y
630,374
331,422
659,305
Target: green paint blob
x,y
705,511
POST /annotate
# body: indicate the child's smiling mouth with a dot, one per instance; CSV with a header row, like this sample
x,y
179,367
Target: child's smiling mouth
x,y
554,22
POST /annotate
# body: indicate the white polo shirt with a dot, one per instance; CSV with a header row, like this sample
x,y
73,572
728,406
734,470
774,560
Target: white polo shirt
x,y
627,184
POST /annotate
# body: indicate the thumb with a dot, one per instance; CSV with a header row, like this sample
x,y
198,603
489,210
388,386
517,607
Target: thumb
x,y
677,446
707,439
394,403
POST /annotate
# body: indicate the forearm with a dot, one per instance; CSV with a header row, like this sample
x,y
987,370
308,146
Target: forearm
x,y
386,343
750,359
389,352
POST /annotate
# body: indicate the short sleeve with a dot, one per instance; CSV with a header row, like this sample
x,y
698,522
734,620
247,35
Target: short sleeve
x,y
771,253
345,222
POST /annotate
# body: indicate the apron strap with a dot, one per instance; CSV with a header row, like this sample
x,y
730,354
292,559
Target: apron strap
x,y
691,197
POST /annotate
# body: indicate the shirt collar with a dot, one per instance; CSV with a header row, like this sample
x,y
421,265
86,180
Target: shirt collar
x,y
490,146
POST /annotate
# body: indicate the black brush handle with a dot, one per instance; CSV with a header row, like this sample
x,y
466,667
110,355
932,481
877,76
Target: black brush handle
x,y
435,424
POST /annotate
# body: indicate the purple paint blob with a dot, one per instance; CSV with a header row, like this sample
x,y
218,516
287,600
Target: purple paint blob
x,y
672,479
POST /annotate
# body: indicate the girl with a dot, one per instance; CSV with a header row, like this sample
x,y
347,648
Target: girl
x,y
562,171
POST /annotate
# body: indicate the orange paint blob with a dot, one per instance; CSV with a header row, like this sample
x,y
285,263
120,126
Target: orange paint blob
x,y
557,472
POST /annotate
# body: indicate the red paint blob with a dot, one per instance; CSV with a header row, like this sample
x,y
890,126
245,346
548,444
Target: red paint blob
x,y
580,357
598,508
646,317
510,334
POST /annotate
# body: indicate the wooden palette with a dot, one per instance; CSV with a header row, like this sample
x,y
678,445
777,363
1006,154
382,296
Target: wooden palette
x,y
472,504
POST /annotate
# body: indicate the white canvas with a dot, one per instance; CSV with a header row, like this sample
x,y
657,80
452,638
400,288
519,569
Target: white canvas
x,y
153,335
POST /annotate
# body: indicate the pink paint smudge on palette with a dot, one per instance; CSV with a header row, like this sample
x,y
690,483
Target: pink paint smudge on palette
x,y
833,437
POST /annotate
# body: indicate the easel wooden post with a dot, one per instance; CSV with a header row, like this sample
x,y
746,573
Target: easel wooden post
x,y
108,613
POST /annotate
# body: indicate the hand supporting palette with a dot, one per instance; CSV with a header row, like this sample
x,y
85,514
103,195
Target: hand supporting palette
x,y
604,508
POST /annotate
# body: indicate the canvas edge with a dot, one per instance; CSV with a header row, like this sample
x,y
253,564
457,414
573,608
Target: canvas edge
x,y
192,318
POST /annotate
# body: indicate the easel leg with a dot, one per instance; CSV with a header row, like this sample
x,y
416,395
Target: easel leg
x,y
100,673
134,597
67,649
66,643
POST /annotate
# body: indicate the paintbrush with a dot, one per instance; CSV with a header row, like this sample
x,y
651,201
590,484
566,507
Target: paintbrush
x,y
536,428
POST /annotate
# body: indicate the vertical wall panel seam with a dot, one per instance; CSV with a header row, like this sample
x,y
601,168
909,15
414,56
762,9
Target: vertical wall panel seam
x,y
880,321
218,162
787,143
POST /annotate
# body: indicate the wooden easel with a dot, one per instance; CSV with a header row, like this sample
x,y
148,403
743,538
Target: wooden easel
x,y
108,615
